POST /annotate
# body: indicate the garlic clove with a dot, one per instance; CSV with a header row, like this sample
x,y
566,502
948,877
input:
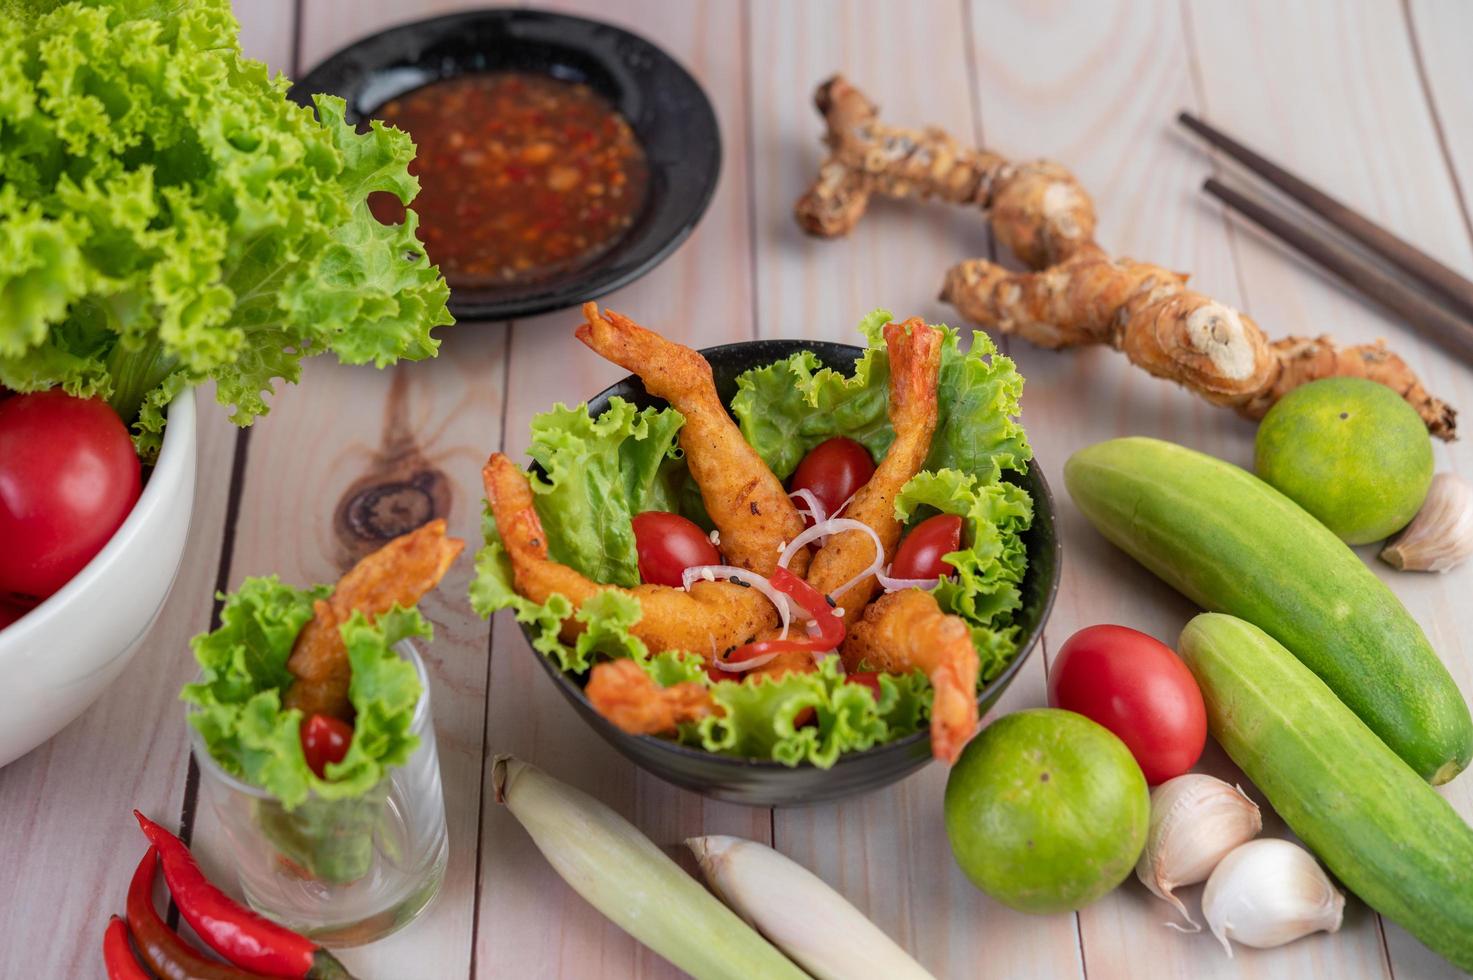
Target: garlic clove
x,y
1267,893
1196,819
1441,535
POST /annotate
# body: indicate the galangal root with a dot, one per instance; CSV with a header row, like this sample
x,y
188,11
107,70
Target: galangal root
x,y
1077,293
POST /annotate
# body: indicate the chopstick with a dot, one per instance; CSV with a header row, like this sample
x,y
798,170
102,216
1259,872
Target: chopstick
x,y
1400,300
1455,290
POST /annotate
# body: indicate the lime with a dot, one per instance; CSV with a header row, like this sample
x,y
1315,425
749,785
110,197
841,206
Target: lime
x,y
1046,810
1351,452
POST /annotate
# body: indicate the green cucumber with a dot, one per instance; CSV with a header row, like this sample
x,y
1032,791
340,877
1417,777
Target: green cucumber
x,y
1383,831
1233,544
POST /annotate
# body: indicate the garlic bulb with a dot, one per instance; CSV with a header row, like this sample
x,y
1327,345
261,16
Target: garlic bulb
x,y
1196,819
1441,535
1267,893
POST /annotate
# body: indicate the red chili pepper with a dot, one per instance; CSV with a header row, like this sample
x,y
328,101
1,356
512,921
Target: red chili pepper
x,y
831,630
866,678
159,946
117,955
236,933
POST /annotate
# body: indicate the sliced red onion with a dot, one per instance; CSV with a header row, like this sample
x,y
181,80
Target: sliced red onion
x,y
815,509
897,584
740,666
711,573
833,526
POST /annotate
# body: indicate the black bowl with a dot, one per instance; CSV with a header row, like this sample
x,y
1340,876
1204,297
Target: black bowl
x,y
666,108
767,783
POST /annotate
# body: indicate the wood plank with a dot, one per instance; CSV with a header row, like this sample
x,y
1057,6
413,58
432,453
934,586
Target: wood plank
x,y
700,296
67,804
887,851
1374,146
342,432
1437,28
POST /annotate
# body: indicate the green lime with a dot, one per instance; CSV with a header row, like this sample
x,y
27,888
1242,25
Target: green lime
x,y
1351,452
1046,810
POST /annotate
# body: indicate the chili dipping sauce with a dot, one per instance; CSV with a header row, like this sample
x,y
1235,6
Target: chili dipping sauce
x,y
523,176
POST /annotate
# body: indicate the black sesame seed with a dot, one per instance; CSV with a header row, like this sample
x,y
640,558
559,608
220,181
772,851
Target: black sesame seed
x,y
830,600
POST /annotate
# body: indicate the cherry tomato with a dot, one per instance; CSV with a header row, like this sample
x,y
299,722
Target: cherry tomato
x,y
325,739
1138,688
919,555
68,478
832,471
866,678
668,544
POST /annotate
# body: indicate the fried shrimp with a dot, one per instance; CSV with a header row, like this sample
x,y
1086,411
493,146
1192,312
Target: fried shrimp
x,y
399,573
906,631
710,618
745,500
915,365
624,694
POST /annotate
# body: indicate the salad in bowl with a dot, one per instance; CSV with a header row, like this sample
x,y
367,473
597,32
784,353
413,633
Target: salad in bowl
x,y
658,561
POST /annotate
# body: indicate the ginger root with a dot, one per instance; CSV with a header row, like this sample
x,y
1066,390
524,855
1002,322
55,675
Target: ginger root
x,y
1076,294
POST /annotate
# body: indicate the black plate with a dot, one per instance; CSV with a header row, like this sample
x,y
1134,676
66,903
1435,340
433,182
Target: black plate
x,y
665,106
767,783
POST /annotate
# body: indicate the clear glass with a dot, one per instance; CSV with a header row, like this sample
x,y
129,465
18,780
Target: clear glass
x,y
344,872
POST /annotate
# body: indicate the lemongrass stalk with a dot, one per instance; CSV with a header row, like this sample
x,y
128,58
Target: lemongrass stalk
x,y
631,881
802,915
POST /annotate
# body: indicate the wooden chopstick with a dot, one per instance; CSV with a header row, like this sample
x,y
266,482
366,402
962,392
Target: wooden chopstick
x,y
1455,291
1434,321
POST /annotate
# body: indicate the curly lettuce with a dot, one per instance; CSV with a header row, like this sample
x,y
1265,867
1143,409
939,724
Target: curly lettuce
x,y
787,408
597,474
986,589
237,699
168,216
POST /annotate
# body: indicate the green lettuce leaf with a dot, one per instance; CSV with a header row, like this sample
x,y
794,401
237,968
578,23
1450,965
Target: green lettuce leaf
x,y
243,673
167,216
986,589
759,715
599,473
787,408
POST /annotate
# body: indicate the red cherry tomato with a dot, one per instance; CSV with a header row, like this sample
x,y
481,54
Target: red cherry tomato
x,y
1138,688
866,678
919,555
325,739
68,478
668,544
832,471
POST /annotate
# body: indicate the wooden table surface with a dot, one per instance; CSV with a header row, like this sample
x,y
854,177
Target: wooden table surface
x,y
1371,100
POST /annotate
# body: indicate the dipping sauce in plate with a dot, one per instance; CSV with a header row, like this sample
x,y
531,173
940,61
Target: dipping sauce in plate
x,y
523,176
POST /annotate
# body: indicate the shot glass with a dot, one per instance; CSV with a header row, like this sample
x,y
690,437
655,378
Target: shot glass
x,y
344,872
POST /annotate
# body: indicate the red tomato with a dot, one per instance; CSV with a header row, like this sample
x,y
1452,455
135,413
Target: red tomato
x,y
832,471
919,555
325,739
68,478
1138,688
866,678
668,544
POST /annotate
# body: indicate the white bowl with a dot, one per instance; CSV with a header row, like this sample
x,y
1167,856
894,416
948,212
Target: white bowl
x,y
59,657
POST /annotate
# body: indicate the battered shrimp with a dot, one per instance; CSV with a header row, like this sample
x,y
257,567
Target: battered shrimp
x,y
915,365
906,631
745,500
396,574
708,619
624,694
